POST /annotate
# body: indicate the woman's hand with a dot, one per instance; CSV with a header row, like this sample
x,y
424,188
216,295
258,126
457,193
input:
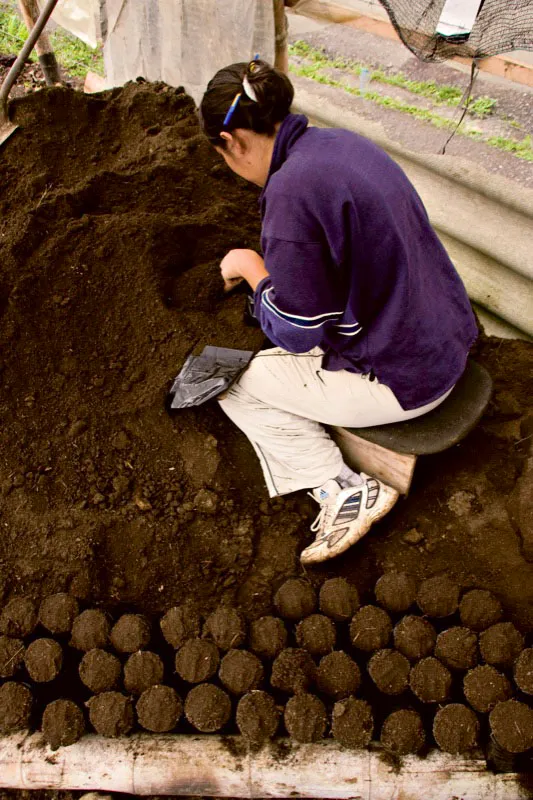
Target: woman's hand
x,y
240,265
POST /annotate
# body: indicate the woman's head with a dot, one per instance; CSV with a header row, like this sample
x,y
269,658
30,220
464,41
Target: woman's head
x,y
241,111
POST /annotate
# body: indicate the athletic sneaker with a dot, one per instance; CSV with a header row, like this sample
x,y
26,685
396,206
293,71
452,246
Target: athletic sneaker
x,y
346,515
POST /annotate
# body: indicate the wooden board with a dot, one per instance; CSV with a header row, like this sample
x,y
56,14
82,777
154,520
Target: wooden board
x,y
394,469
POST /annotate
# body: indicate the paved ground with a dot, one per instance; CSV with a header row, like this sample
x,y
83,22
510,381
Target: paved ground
x,y
512,117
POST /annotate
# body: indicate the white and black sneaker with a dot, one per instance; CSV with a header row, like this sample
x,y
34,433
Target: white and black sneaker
x,y
346,515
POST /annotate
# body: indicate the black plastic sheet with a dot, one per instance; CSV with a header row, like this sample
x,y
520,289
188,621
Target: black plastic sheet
x,y
205,376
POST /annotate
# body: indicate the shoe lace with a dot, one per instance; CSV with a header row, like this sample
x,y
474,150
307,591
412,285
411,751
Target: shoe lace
x,y
323,517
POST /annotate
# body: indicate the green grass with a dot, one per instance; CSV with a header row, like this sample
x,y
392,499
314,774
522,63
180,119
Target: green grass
x,y
73,55
440,94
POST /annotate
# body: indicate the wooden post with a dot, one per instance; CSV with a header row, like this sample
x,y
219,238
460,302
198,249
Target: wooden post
x,y
281,61
30,12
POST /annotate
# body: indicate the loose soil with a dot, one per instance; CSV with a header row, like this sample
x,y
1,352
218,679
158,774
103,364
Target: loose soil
x,y
113,220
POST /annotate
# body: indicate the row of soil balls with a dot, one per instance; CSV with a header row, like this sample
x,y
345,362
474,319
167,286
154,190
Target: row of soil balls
x,y
307,664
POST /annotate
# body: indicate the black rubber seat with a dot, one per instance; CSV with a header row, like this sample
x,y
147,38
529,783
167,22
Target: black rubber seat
x,y
445,426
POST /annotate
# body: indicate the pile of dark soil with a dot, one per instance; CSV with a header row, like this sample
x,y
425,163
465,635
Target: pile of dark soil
x,y
114,215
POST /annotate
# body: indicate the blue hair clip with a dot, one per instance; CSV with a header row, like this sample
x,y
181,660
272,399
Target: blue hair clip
x,y
231,110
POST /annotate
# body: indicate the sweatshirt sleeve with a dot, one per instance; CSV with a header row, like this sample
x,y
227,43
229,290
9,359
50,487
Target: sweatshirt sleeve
x,y
304,293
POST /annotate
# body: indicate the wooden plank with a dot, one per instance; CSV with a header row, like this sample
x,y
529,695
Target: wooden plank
x,y
394,469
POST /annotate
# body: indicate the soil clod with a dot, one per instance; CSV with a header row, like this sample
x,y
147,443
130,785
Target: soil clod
x,y
19,617
63,723
11,656
390,671
511,724
207,707
370,629
100,671
501,644
57,613
456,728
43,659
295,599
305,718
111,714
15,707
179,624
484,687
523,671
90,630
257,717
480,609
403,732
225,626
142,670
159,709
240,671
267,636
317,634
396,591
338,599
130,633
338,675
414,637
438,596
293,670
457,648
352,722
197,660
430,681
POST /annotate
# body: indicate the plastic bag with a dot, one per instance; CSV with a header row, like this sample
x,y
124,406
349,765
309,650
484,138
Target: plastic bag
x,y
207,375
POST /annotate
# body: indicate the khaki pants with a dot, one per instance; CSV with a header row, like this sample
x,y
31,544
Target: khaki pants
x,y
281,402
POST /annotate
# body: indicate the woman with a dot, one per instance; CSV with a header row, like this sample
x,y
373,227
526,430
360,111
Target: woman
x,y
371,321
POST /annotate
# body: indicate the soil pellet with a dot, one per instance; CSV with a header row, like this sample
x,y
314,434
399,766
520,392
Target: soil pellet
x,y
207,708
130,633
352,722
295,599
430,681
142,670
511,724
11,656
396,591
338,675
159,709
19,617
257,717
267,636
43,660
479,610
15,707
57,613
293,670
414,637
111,714
456,728
501,644
390,671
63,723
317,634
240,671
90,630
179,624
484,687
403,732
100,671
197,660
226,627
370,629
438,596
338,599
523,671
305,718
457,648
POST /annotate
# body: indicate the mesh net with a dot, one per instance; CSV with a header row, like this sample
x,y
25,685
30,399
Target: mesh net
x,y
500,26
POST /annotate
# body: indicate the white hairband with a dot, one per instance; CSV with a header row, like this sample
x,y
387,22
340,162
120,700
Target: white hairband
x,y
249,89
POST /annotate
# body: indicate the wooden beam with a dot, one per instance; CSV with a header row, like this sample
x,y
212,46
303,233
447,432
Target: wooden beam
x,y
394,469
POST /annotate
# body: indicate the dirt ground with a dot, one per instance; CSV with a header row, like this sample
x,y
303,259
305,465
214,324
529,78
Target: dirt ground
x,y
114,216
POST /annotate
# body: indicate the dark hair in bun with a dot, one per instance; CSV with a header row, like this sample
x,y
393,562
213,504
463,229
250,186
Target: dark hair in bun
x,y
273,90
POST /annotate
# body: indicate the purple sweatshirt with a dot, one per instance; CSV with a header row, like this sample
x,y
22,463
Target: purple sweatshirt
x,y
356,268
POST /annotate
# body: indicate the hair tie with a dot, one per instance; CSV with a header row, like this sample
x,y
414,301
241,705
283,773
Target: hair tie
x,y
249,89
